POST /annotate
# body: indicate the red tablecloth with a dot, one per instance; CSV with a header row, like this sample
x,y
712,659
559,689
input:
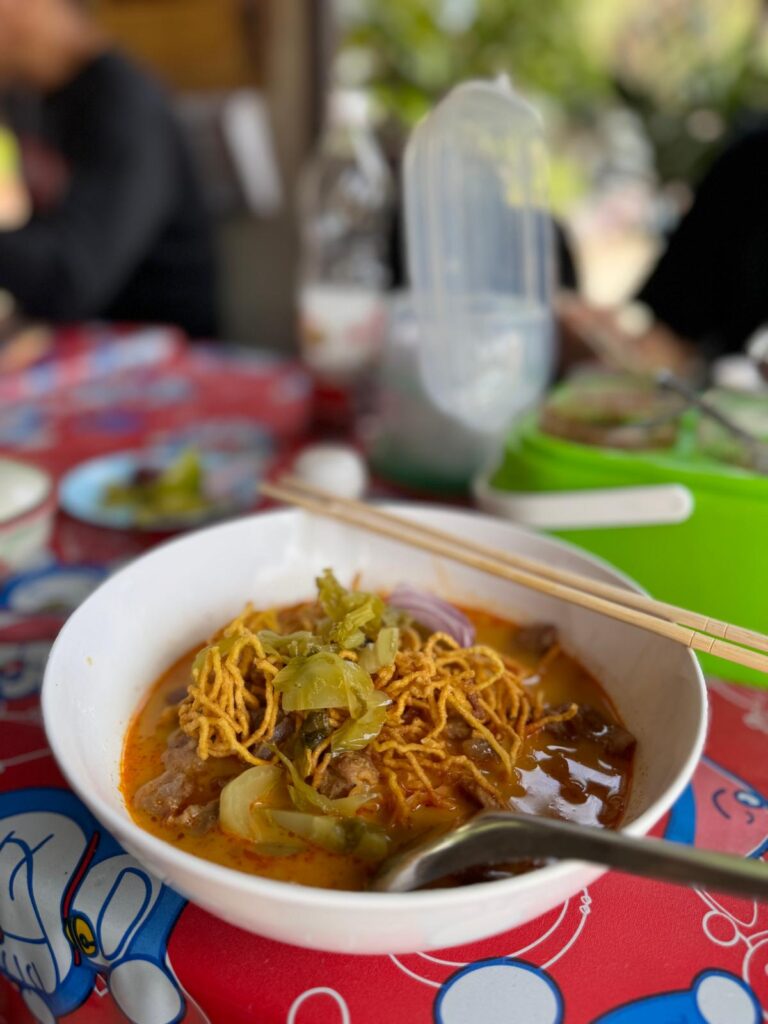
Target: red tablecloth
x,y
86,935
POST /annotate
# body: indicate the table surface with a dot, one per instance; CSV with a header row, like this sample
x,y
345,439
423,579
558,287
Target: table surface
x,y
625,951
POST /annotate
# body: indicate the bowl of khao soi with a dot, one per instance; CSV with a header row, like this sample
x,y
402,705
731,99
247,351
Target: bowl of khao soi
x,y
308,743
277,731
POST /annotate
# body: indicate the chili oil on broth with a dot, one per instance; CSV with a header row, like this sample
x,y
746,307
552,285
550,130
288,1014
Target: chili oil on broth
x,y
570,777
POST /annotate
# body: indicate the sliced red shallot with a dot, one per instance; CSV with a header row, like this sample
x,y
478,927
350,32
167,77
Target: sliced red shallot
x,y
433,613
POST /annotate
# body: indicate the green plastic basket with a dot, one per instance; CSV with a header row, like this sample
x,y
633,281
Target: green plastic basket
x,y
716,562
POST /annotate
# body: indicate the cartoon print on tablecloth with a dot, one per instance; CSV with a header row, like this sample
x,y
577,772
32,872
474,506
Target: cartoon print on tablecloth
x,y
542,942
507,981
23,758
723,811
77,912
279,396
21,668
505,991
288,381
25,428
754,703
25,642
325,997
228,434
488,990
24,645
144,389
731,815
52,587
500,991
716,997
107,423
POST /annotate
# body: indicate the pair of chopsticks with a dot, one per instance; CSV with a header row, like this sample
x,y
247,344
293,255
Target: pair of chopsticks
x,y
699,632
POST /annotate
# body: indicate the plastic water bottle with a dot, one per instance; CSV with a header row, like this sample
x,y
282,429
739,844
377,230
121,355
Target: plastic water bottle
x,y
479,237
345,205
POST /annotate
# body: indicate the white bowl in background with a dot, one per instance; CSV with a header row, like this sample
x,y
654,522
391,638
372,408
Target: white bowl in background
x,y
27,508
138,622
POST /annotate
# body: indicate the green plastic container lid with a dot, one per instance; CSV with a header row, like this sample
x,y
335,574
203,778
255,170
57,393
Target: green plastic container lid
x,y
715,563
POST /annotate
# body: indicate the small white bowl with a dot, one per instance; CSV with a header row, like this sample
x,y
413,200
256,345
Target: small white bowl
x,y
137,623
27,507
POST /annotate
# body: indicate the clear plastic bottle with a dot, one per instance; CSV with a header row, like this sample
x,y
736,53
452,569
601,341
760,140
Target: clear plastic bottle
x,y
479,239
345,199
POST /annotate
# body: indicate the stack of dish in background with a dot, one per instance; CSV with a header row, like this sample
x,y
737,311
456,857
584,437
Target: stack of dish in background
x,y
600,434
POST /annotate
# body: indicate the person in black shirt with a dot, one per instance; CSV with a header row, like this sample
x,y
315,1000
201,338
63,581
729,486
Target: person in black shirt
x,y
708,292
711,283
123,235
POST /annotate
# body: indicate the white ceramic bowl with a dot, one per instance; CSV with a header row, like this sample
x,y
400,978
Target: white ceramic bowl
x,y
137,623
27,507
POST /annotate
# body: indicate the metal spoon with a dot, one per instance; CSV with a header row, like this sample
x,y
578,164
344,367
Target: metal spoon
x,y
758,449
498,837
757,351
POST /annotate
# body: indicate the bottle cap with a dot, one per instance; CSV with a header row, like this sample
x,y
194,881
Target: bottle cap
x,y
349,107
337,468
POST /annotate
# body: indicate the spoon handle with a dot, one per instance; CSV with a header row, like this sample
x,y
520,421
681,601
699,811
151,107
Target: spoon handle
x,y
494,837
757,447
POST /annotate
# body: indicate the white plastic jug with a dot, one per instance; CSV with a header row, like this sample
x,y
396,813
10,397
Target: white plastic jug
x,y
480,254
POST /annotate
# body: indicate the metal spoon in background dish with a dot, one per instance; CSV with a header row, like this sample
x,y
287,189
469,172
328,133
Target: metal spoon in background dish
x,y
757,351
498,837
758,449
610,348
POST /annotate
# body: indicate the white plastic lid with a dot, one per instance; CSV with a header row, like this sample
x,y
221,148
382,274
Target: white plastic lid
x,y
349,107
479,242
335,467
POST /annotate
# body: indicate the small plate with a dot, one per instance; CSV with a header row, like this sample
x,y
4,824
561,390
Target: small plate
x,y
234,480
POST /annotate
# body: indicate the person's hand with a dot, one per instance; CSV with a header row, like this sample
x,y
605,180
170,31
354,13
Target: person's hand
x,y
22,344
628,340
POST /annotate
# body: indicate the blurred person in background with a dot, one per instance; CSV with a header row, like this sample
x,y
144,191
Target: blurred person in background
x,y
710,284
118,229
708,292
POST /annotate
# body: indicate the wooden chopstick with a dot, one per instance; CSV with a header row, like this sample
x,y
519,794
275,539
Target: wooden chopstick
x,y
449,546
663,610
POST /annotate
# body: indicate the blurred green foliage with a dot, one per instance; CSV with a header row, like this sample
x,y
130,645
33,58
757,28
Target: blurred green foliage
x,y
416,50
687,68
691,69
